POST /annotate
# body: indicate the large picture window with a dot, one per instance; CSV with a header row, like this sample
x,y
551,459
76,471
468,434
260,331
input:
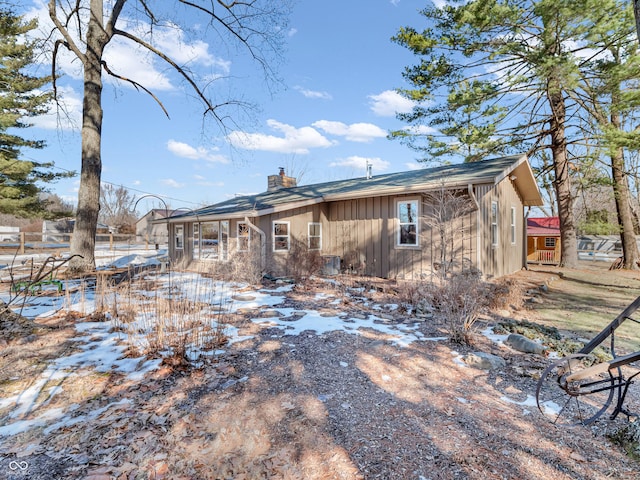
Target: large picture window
x,y
408,223
281,236
315,236
209,239
244,237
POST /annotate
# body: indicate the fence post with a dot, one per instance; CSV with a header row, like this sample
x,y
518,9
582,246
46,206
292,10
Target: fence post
x,y
22,236
111,241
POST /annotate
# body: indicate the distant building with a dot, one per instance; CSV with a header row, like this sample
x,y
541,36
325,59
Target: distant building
x,y
155,233
60,230
543,240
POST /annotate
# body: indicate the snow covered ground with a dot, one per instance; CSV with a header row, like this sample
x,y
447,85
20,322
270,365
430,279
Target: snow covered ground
x,y
103,345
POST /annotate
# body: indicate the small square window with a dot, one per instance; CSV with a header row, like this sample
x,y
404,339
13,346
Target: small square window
x,y
550,242
281,236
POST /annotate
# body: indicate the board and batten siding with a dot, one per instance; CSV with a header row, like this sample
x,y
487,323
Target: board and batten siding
x,y
299,219
505,257
363,233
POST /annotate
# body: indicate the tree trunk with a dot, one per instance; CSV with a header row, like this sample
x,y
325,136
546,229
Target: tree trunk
x,y
623,201
562,183
636,13
84,232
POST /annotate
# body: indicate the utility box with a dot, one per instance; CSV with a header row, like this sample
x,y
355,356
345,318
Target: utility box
x,y
330,265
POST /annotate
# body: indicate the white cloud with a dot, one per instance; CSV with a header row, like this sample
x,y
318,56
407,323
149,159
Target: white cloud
x,y
292,32
421,130
314,94
131,60
440,3
67,115
185,150
389,103
170,182
360,163
204,182
356,132
294,140
137,182
413,166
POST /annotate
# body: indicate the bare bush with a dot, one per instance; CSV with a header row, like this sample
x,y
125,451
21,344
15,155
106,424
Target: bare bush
x,y
459,300
241,267
504,294
159,319
302,262
456,301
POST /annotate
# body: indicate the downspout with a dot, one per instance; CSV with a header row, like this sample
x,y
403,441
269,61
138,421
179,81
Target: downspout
x,y
525,246
472,195
263,243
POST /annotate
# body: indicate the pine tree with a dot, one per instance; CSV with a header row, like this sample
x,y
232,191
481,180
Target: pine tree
x,y
20,97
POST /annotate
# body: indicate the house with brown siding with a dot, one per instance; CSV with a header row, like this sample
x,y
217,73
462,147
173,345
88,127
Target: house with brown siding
x,y
380,226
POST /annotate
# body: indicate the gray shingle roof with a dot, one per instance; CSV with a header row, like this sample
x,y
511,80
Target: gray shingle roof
x,y
392,183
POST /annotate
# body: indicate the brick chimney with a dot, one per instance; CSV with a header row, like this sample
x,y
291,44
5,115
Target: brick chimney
x,y
275,182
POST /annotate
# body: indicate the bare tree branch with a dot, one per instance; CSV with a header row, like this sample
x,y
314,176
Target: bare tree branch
x,y
69,43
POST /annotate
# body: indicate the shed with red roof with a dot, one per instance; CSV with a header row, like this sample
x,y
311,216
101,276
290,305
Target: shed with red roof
x,y
543,240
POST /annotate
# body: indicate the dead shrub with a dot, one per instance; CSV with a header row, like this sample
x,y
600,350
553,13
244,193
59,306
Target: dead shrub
x,y
505,294
240,267
456,301
183,324
302,263
459,300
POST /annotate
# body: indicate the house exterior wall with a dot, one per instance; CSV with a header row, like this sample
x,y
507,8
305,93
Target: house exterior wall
x,y
504,257
364,234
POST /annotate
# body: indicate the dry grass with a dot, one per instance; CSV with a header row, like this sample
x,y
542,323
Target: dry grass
x,y
159,319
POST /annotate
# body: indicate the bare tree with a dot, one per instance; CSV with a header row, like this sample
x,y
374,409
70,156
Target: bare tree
x,y
255,25
443,210
117,206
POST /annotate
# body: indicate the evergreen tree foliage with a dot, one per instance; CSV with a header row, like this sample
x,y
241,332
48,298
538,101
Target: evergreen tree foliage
x,y
491,79
20,98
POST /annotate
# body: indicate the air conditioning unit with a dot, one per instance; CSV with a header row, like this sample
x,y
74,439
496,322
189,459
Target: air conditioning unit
x,y
330,265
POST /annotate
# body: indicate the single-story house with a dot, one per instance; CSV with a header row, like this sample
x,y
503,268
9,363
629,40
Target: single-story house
x,y
381,225
543,240
149,230
60,230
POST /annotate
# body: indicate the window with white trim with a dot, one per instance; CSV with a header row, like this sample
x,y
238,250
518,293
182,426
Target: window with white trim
x,y
224,239
244,237
494,224
179,237
550,242
513,225
209,239
315,236
407,223
281,236
196,240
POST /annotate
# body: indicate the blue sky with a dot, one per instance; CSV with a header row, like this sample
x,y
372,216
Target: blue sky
x,y
328,118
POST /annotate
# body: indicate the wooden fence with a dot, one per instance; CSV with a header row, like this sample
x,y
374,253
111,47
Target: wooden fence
x,y
25,242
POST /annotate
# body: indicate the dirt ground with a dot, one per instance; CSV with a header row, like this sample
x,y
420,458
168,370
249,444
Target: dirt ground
x,y
331,406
